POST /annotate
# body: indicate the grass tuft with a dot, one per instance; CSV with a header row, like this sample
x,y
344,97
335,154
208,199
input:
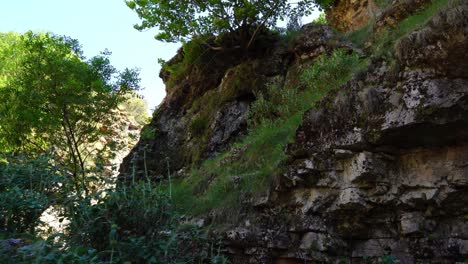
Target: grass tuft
x,y
249,166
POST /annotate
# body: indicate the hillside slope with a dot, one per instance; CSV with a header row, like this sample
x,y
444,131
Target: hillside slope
x,y
327,148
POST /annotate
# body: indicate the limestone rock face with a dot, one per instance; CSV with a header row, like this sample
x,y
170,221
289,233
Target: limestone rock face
x,y
218,98
379,169
351,15
348,15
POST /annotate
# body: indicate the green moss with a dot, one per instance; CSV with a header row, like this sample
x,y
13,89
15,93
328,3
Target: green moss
x,y
360,36
247,169
195,54
239,80
198,125
213,184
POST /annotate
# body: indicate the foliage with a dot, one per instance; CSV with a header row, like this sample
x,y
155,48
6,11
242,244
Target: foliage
x,y
321,19
136,107
383,45
49,251
195,54
387,259
360,36
247,168
137,224
27,188
383,41
275,103
198,125
324,4
53,99
148,133
182,20
329,73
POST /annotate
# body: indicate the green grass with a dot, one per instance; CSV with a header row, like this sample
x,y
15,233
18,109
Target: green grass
x,y
360,36
195,55
203,109
212,186
383,3
383,42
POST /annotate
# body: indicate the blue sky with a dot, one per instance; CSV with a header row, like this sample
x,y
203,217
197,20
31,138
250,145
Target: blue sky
x,y
97,24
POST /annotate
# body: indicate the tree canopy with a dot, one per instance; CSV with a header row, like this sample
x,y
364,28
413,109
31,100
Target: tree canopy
x,y
181,20
54,98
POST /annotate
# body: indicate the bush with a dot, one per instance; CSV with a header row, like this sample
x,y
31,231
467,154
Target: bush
x,y
330,72
137,108
321,19
195,54
274,103
327,73
27,188
140,224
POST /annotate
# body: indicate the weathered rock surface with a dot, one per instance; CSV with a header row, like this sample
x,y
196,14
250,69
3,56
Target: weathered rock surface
x,y
348,15
227,97
379,169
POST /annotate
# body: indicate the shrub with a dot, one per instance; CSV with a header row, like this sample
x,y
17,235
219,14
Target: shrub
x,y
27,188
330,72
325,74
195,54
274,103
140,224
321,19
136,224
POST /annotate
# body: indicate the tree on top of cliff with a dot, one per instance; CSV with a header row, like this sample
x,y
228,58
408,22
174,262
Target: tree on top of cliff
x,y
182,20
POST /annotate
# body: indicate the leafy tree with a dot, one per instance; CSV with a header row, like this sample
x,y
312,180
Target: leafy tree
x,y
137,107
321,19
52,97
184,19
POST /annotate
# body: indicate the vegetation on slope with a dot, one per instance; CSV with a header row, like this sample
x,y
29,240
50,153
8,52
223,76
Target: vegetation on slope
x,y
381,44
146,222
250,165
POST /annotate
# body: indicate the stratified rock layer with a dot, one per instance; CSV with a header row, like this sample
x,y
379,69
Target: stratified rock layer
x,y
348,15
379,170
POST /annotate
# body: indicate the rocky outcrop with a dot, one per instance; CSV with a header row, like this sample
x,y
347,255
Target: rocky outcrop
x,y
205,111
396,12
378,171
349,15
201,117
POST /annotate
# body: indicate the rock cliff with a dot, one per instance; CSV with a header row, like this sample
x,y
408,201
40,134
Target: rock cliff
x,y
377,171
